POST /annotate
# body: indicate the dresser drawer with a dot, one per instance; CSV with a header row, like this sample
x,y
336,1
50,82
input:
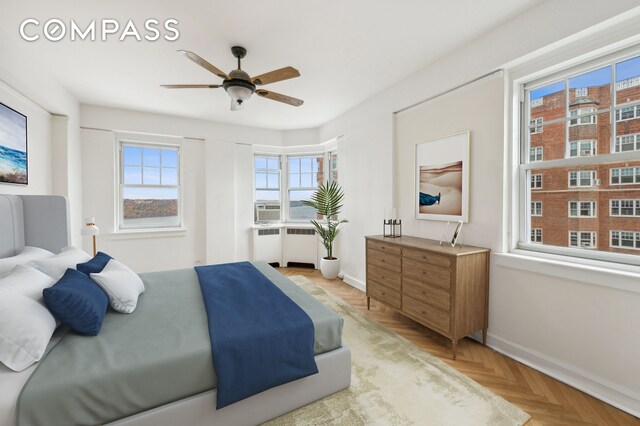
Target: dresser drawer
x,y
383,294
384,261
426,257
385,248
427,293
426,273
425,314
384,276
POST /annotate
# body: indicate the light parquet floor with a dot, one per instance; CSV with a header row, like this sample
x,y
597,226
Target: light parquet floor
x,y
548,401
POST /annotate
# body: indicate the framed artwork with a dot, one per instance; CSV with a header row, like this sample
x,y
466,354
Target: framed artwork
x,y
442,178
13,146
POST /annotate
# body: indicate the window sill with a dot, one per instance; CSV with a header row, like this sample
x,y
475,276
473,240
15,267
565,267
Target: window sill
x,y
148,233
584,271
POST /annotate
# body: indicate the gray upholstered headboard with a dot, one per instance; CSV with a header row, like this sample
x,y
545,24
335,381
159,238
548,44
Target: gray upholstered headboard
x,y
33,220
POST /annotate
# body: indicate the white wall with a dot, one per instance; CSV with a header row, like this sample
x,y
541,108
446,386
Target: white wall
x,y
577,332
478,108
218,184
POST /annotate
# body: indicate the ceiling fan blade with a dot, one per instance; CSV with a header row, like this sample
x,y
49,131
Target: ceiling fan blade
x,y
190,86
280,98
277,75
204,64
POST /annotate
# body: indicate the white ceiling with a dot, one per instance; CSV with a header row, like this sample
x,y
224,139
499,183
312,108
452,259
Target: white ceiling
x,y
346,51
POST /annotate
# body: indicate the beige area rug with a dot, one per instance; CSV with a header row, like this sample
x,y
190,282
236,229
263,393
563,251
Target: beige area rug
x,y
393,382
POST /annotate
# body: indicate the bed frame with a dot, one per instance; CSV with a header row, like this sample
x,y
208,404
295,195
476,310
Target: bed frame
x,y
43,221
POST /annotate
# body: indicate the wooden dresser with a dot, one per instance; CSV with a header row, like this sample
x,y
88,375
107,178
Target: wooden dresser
x,y
443,288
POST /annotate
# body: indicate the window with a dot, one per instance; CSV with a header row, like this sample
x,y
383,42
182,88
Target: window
x,y
582,178
536,235
149,186
627,143
586,151
625,207
536,125
582,148
628,113
536,181
305,174
536,208
580,116
625,176
267,178
582,209
333,166
535,154
581,239
582,92
625,239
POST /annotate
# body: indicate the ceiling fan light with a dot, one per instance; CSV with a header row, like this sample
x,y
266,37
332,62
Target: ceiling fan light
x,y
239,93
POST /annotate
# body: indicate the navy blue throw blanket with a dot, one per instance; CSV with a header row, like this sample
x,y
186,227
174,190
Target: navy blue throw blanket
x,y
260,338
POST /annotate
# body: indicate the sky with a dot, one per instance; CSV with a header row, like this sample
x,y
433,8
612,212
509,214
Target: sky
x,y
13,129
154,163
624,70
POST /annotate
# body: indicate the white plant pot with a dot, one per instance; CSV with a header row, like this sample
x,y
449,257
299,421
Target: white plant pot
x,y
330,268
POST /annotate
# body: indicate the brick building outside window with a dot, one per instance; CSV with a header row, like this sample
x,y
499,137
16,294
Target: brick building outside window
x,y
583,117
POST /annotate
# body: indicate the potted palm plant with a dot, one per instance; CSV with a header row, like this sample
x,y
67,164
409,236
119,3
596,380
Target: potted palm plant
x,y
327,200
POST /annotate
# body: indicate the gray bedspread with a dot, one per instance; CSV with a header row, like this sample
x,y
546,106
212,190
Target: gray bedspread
x,y
158,354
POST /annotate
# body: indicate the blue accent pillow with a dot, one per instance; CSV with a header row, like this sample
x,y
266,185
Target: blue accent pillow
x,y
95,265
77,302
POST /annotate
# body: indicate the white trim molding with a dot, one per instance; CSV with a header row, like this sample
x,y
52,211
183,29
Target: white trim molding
x,y
622,398
355,283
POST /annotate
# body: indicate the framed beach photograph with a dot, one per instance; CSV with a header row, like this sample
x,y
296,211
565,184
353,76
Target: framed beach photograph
x,y
442,178
13,146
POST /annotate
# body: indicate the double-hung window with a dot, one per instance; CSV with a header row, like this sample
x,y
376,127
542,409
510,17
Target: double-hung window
x,y
582,209
586,120
267,178
305,173
149,186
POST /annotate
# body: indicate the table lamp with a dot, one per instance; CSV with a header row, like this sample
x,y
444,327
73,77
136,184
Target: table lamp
x,y
90,230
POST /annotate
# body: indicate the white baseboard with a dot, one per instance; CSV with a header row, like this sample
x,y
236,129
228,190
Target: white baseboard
x,y
620,397
354,283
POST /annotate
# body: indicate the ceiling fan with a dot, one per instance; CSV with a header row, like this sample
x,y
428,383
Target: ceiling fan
x,y
238,85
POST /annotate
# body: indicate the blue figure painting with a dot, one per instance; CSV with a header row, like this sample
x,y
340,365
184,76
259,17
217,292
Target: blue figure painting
x,y
429,200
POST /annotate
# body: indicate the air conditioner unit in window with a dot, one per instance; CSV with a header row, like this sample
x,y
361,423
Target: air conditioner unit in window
x,y
585,152
267,213
596,182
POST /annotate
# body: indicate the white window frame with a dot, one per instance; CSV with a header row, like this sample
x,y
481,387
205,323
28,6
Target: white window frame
x,y
535,125
635,238
535,151
593,240
579,173
635,172
635,112
535,209
536,181
579,207
151,142
288,188
535,233
635,207
531,76
581,92
583,116
635,141
579,150
267,171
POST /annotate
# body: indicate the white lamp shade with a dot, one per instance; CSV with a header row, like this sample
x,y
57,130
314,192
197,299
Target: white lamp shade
x,y
239,93
89,229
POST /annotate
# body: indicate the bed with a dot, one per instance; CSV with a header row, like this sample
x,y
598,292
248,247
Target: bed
x,y
195,405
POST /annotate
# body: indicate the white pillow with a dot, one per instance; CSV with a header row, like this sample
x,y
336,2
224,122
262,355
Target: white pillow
x,y
57,265
28,253
122,285
26,325
27,281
